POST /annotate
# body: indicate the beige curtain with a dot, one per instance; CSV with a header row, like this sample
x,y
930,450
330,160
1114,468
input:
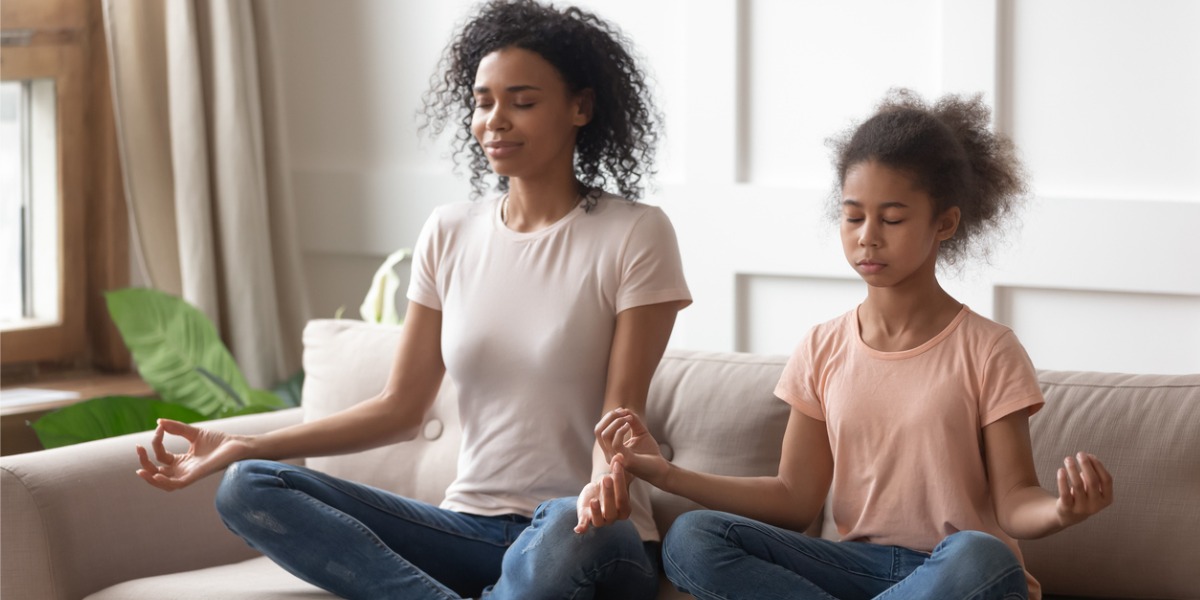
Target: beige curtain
x,y
196,91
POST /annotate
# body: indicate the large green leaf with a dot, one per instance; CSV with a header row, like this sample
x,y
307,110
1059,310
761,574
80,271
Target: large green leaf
x,y
178,351
106,417
290,390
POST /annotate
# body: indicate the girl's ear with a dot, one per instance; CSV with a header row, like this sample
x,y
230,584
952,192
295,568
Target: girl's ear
x,y
947,223
585,103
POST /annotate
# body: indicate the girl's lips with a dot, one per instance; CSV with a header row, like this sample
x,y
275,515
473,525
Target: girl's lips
x,y
867,266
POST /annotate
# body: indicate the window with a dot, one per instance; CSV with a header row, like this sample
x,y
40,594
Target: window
x,y
63,227
29,199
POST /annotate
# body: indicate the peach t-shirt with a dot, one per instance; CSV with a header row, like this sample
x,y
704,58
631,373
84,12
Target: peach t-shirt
x,y
906,428
527,327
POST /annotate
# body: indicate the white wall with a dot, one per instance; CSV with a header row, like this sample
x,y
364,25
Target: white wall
x,y
1100,95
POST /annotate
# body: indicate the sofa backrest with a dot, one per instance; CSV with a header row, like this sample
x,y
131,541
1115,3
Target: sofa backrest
x,y
716,412
347,361
1146,431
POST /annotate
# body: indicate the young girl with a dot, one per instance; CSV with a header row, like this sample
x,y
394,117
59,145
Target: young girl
x,y
911,411
547,304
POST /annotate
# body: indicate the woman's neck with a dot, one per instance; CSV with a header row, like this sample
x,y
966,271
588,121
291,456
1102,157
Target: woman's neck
x,y
536,204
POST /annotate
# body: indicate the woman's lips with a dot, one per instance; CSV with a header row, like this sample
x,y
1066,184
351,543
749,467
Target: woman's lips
x,y
500,149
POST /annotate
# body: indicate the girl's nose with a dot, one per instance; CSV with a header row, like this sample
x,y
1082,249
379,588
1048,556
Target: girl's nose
x,y
869,236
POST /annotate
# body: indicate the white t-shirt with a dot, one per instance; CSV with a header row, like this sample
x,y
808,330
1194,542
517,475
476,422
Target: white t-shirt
x,y
527,326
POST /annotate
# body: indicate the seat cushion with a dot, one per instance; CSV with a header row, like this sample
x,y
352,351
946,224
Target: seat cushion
x,y
253,579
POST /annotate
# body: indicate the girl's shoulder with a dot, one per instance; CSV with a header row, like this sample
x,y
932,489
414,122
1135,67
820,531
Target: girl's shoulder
x,y
978,327
837,332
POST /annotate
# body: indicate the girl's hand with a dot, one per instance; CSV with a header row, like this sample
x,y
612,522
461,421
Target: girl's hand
x,y
626,440
1084,488
208,452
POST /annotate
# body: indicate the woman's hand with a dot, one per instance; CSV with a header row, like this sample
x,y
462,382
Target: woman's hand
x,y
1084,488
208,452
624,437
604,502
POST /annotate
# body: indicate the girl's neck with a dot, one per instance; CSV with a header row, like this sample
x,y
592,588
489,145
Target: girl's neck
x,y
894,319
536,204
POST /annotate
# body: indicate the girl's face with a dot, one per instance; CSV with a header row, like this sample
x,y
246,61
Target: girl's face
x,y
889,232
525,118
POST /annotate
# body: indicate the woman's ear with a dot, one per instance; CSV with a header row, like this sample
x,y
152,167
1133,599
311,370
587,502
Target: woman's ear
x,y
585,103
947,223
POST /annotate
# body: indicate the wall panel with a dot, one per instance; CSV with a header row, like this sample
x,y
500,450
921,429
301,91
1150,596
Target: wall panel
x,y
815,67
1104,331
1104,96
1099,95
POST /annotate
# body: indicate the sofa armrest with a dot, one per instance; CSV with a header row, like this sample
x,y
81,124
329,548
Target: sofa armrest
x,y
77,519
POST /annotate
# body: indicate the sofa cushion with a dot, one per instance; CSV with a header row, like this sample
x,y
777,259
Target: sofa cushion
x,y
1146,430
346,362
254,579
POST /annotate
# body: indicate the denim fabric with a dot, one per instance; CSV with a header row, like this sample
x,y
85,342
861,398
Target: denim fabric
x,y
360,542
719,556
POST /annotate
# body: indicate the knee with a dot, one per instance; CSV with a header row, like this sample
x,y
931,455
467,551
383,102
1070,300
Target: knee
x,y
238,486
980,550
690,541
559,517
556,543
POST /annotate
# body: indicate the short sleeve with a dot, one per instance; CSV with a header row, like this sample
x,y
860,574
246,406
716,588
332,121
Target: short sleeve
x,y
798,384
422,287
651,269
1009,382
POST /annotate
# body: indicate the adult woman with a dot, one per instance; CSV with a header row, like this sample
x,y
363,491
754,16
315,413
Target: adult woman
x,y
548,305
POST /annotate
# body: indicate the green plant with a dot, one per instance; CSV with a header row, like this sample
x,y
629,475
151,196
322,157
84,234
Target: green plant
x,y
179,354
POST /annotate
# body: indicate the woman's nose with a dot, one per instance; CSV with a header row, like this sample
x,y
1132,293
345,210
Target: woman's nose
x,y
497,119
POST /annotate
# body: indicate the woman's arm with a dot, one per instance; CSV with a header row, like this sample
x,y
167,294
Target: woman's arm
x,y
791,499
395,414
1023,509
639,340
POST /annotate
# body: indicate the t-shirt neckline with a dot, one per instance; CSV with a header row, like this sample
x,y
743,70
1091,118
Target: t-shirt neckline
x,y
911,352
507,233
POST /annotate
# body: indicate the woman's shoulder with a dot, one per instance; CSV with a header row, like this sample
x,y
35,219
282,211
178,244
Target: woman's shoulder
x,y
616,207
456,213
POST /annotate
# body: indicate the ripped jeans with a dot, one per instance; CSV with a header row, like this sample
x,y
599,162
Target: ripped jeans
x,y
361,542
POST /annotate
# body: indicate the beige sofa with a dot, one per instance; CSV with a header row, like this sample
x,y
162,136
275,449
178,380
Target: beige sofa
x,y
77,523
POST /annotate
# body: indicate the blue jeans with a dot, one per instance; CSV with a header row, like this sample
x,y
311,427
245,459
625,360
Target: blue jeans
x,y
360,542
715,555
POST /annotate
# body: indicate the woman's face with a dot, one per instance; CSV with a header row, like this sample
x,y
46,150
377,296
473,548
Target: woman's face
x,y
525,118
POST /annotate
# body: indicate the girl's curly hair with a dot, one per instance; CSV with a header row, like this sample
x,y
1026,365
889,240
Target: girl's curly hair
x,y
615,148
952,155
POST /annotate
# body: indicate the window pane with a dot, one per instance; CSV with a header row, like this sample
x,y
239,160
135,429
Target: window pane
x,y
12,199
29,223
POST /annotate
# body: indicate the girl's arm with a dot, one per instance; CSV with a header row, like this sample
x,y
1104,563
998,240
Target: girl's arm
x,y
791,499
395,414
639,340
1025,510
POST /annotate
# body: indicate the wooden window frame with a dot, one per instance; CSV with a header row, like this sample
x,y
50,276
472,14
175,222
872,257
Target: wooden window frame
x,y
64,40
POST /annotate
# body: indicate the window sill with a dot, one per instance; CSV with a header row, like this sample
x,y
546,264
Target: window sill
x,y
16,436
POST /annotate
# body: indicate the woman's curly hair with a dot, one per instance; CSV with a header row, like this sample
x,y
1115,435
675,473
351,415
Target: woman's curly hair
x,y
615,148
951,154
